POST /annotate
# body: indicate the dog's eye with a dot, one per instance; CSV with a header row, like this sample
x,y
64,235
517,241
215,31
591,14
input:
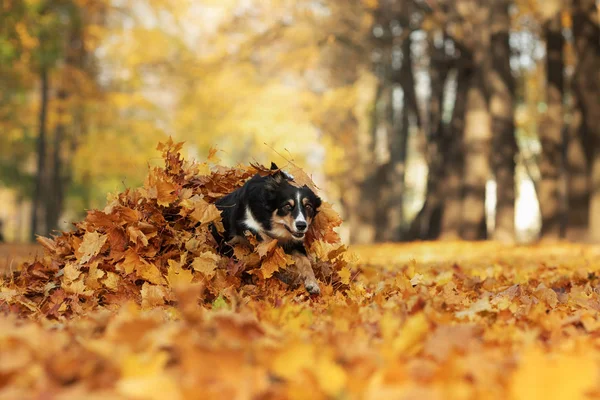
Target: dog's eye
x,y
287,208
309,209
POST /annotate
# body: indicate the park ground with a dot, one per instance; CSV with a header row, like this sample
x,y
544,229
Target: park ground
x,y
459,320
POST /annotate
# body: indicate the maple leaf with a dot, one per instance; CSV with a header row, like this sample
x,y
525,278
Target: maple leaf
x,y
301,178
90,246
322,226
111,281
344,274
265,247
413,331
212,156
169,146
71,272
564,376
331,376
94,275
152,295
203,211
77,287
145,270
142,376
177,276
165,193
293,360
206,263
135,234
275,261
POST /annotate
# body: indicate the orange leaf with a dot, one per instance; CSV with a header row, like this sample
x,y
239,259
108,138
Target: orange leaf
x,y
275,261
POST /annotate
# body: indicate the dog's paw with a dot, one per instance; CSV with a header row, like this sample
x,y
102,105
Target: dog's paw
x,y
312,287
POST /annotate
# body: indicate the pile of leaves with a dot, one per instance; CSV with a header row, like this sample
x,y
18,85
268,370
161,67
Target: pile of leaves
x,y
148,241
136,304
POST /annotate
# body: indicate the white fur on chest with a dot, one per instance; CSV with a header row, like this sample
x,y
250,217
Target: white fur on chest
x,y
251,222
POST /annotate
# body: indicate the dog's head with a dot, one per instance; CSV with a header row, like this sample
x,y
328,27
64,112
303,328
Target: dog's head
x,y
294,208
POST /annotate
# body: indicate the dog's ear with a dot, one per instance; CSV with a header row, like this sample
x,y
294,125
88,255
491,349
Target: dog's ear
x,y
318,202
275,179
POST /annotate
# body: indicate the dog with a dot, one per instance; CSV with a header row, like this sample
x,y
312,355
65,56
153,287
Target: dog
x,y
272,208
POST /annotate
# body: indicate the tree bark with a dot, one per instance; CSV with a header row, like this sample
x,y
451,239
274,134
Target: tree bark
x,y
502,100
550,196
55,192
392,190
477,132
427,223
37,208
586,32
451,187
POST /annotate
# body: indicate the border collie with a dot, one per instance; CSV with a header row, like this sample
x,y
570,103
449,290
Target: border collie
x,y
272,208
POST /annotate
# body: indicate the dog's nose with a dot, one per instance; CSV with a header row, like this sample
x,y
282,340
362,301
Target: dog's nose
x,y
301,225
312,288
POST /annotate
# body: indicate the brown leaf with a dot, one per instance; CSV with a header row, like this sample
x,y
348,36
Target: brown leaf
x,y
91,245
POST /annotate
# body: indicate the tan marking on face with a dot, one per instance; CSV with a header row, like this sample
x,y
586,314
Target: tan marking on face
x,y
278,224
308,217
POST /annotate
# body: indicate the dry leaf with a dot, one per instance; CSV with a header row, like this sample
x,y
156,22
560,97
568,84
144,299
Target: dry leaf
x,y
91,245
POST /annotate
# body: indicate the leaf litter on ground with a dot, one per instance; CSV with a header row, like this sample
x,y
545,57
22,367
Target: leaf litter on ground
x,y
136,303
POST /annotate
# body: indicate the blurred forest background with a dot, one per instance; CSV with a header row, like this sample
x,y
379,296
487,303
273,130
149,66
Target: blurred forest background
x,y
419,119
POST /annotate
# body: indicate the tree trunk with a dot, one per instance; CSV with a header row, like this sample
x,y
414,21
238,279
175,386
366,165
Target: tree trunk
x,y
451,187
477,133
55,191
402,102
586,32
37,206
502,100
578,171
550,195
427,223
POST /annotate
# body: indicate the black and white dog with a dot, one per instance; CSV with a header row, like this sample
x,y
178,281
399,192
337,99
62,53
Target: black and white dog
x,y
272,208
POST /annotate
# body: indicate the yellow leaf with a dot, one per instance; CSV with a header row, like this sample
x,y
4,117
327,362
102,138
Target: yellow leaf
x,y
144,376
294,359
561,376
147,271
206,263
152,295
71,272
205,212
265,247
411,334
77,287
275,261
332,378
344,274
112,281
94,274
150,273
177,276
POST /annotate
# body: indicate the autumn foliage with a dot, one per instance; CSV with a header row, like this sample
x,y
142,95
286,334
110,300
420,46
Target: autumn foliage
x,y
135,302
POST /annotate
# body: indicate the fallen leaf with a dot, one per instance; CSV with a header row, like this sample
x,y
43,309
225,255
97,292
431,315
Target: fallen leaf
x,y
91,245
